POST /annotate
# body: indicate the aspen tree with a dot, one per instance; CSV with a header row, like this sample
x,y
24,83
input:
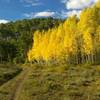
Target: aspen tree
x,y
74,41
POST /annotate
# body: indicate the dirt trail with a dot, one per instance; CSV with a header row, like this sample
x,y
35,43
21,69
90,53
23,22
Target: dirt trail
x,y
19,84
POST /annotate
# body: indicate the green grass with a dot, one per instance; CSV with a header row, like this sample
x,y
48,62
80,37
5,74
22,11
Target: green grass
x,y
61,82
7,72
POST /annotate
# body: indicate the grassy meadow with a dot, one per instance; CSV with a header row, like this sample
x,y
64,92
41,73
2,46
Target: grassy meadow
x,y
7,72
59,82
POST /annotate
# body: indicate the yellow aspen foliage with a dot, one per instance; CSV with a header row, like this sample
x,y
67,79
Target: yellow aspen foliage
x,y
97,39
87,42
88,18
52,44
75,37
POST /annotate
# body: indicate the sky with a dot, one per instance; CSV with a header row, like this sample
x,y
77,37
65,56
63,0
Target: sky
x,y
11,10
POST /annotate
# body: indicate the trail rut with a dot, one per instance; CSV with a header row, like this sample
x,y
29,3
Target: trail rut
x,y
19,84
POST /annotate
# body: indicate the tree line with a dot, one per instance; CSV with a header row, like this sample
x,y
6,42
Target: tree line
x,y
16,37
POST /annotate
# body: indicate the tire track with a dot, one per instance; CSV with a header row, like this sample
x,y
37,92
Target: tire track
x,y
19,84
